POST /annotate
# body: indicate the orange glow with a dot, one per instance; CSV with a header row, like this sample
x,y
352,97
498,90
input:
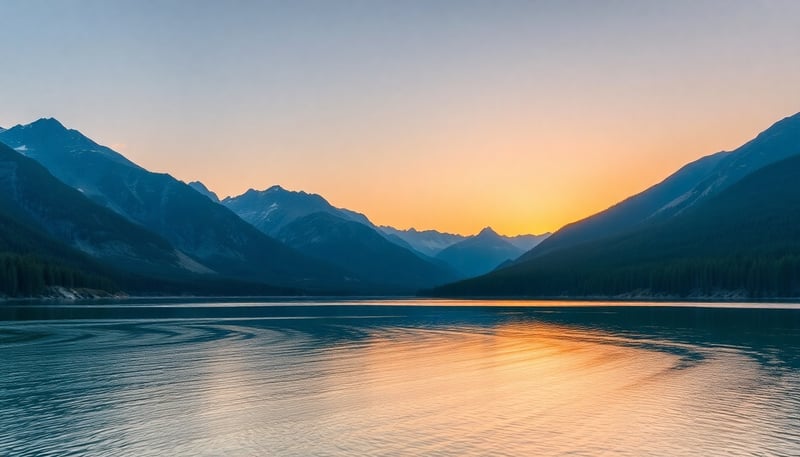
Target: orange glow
x,y
569,385
516,179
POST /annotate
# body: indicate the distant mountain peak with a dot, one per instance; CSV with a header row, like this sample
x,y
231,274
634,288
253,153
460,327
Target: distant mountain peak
x,y
200,187
271,209
275,189
47,122
56,146
488,231
271,191
479,254
414,230
278,189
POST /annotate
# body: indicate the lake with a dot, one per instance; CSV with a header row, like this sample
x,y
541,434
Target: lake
x,y
435,378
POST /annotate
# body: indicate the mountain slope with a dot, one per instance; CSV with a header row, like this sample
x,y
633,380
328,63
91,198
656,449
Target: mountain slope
x,y
190,221
691,184
744,240
200,187
52,235
272,209
363,251
479,254
30,194
31,261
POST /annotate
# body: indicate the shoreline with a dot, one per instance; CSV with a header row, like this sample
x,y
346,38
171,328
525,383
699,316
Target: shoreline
x,y
79,297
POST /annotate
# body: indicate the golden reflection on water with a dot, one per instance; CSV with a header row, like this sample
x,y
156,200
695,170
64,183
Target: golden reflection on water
x,y
526,389
523,387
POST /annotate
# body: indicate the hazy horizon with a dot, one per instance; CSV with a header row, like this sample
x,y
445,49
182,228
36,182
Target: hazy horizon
x,y
522,116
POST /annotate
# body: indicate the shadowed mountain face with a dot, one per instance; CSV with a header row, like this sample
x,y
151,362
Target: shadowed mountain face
x,y
191,222
272,209
33,197
479,254
363,251
53,236
688,186
744,242
200,187
31,262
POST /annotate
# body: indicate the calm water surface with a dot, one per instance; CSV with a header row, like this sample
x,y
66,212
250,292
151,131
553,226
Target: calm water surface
x,y
398,378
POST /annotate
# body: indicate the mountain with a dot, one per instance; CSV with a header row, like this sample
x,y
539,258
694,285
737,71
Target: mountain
x,y
688,186
432,242
208,232
744,242
308,223
33,197
200,187
272,209
427,242
53,235
363,251
31,262
479,254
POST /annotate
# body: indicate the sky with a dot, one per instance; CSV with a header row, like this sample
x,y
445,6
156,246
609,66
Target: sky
x,y
447,115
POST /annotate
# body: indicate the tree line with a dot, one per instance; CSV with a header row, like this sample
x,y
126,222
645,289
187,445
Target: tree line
x,y
27,275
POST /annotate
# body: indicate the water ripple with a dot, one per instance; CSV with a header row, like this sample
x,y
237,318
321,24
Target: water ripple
x,y
396,381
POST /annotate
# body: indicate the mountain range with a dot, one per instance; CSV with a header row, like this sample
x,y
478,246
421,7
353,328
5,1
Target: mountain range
x,y
345,238
725,224
309,223
150,232
53,235
77,214
211,237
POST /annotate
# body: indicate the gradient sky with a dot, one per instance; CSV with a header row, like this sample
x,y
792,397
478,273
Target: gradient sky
x,y
450,115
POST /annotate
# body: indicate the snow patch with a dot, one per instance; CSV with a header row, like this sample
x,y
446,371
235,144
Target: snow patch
x,y
269,210
676,202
